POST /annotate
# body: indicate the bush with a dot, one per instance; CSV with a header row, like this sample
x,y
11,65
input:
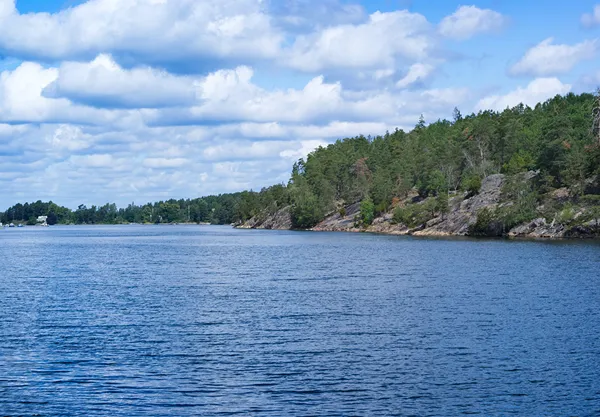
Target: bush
x,y
402,215
367,212
381,207
442,204
471,184
566,215
487,224
342,212
414,215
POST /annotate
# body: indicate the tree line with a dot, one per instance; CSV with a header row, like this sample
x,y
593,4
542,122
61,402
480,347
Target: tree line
x,y
559,138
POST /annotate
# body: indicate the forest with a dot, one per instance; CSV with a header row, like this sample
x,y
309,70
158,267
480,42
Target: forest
x,y
559,139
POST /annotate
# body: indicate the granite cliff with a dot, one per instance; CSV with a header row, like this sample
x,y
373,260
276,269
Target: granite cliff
x,y
462,218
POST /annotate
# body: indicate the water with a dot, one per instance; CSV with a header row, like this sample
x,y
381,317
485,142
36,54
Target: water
x,y
196,320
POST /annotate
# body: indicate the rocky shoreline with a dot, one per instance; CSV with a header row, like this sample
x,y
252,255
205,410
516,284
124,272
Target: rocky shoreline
x,y
463,211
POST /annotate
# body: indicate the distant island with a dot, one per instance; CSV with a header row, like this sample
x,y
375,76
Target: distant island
x,y
521,172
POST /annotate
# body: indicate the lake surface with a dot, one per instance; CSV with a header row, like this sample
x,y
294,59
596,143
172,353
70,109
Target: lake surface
x,y
202,320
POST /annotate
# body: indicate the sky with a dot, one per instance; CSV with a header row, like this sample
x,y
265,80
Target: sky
x,y
144,100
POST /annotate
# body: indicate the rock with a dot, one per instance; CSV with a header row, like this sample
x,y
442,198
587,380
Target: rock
x,y
280,220
592,185
590,229
337,223
561,195
463,213
538,228
389,228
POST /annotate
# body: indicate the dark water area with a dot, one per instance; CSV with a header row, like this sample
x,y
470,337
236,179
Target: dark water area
x,y
211,321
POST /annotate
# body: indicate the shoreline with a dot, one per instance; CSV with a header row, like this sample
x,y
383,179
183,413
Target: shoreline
x,y
442,236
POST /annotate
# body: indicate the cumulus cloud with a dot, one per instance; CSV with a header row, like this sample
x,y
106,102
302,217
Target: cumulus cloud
x,y
103,83
591,19
231,96
536,91
468,21
548,58
379,43
189,36
21,99
150,31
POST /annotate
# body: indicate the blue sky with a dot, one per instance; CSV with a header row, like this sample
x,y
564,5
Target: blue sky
x,y
140,100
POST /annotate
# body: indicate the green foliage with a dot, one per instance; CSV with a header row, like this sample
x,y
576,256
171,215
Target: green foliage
x,y
519,162
487,224
523,197
367,211
566,215
471,183
382,207
342,212
52,219
306,210
442,204
402,215
413,215
432,184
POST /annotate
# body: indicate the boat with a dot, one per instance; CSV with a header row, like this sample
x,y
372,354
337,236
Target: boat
x,y
20,225
11,225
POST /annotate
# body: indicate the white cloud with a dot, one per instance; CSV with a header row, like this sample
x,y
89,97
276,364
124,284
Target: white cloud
x,y
165,162
104,83
548,58
306,147
21,100
145,30
537,91
92,161
417,73
377,44
231,96
245,150
468,21
591,19
69,138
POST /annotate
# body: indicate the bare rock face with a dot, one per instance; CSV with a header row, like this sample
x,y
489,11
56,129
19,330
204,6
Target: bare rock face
x,y
280,220
463,213
538,228
385,224
338,223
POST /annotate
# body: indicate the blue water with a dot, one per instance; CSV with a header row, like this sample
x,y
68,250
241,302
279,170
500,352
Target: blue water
x,y
200,320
